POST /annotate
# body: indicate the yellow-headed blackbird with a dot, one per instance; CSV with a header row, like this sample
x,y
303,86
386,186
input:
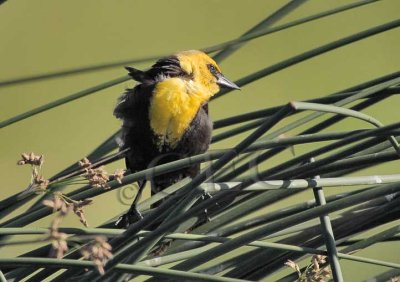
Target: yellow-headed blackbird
x,y
165,117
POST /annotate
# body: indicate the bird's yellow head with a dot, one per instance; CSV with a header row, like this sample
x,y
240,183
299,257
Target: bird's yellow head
x,y
204,71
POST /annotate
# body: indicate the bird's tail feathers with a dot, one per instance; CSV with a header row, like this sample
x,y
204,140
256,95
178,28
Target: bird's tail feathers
x,y
136,74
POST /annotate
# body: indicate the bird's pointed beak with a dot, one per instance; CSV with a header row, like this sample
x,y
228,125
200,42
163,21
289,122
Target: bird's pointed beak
x,y
226,83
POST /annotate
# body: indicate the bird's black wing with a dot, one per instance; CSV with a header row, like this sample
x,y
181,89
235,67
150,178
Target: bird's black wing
x,y
136,134
133,107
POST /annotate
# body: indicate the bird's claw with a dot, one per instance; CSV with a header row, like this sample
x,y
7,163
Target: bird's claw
x,y
132,216
206,195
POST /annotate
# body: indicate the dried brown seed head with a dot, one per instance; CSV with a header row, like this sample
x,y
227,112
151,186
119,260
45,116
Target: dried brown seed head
x,y
57,203
293,265
40,181
315,264
320,259
59,244
98,177
119,175
31,159
99,251
78,210
85,163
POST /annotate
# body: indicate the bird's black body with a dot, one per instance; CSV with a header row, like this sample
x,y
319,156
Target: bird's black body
x,y
137,134
197,78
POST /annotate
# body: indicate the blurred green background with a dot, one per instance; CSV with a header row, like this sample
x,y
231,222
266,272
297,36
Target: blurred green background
x,y
43,36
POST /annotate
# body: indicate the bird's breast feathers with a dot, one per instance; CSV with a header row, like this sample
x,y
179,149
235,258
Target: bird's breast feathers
x,y
174,105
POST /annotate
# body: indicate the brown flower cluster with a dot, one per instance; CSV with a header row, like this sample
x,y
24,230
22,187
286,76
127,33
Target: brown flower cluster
x,y
314,272
38,182
31,158
98,177
77,207
99,251
58,239
59,244
85,163
59,203
119,175
294,266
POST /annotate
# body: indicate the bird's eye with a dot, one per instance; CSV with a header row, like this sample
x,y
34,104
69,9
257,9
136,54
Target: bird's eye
x,y
212,69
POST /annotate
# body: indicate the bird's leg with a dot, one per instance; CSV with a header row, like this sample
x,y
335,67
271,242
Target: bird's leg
x,y
133,214
133,210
